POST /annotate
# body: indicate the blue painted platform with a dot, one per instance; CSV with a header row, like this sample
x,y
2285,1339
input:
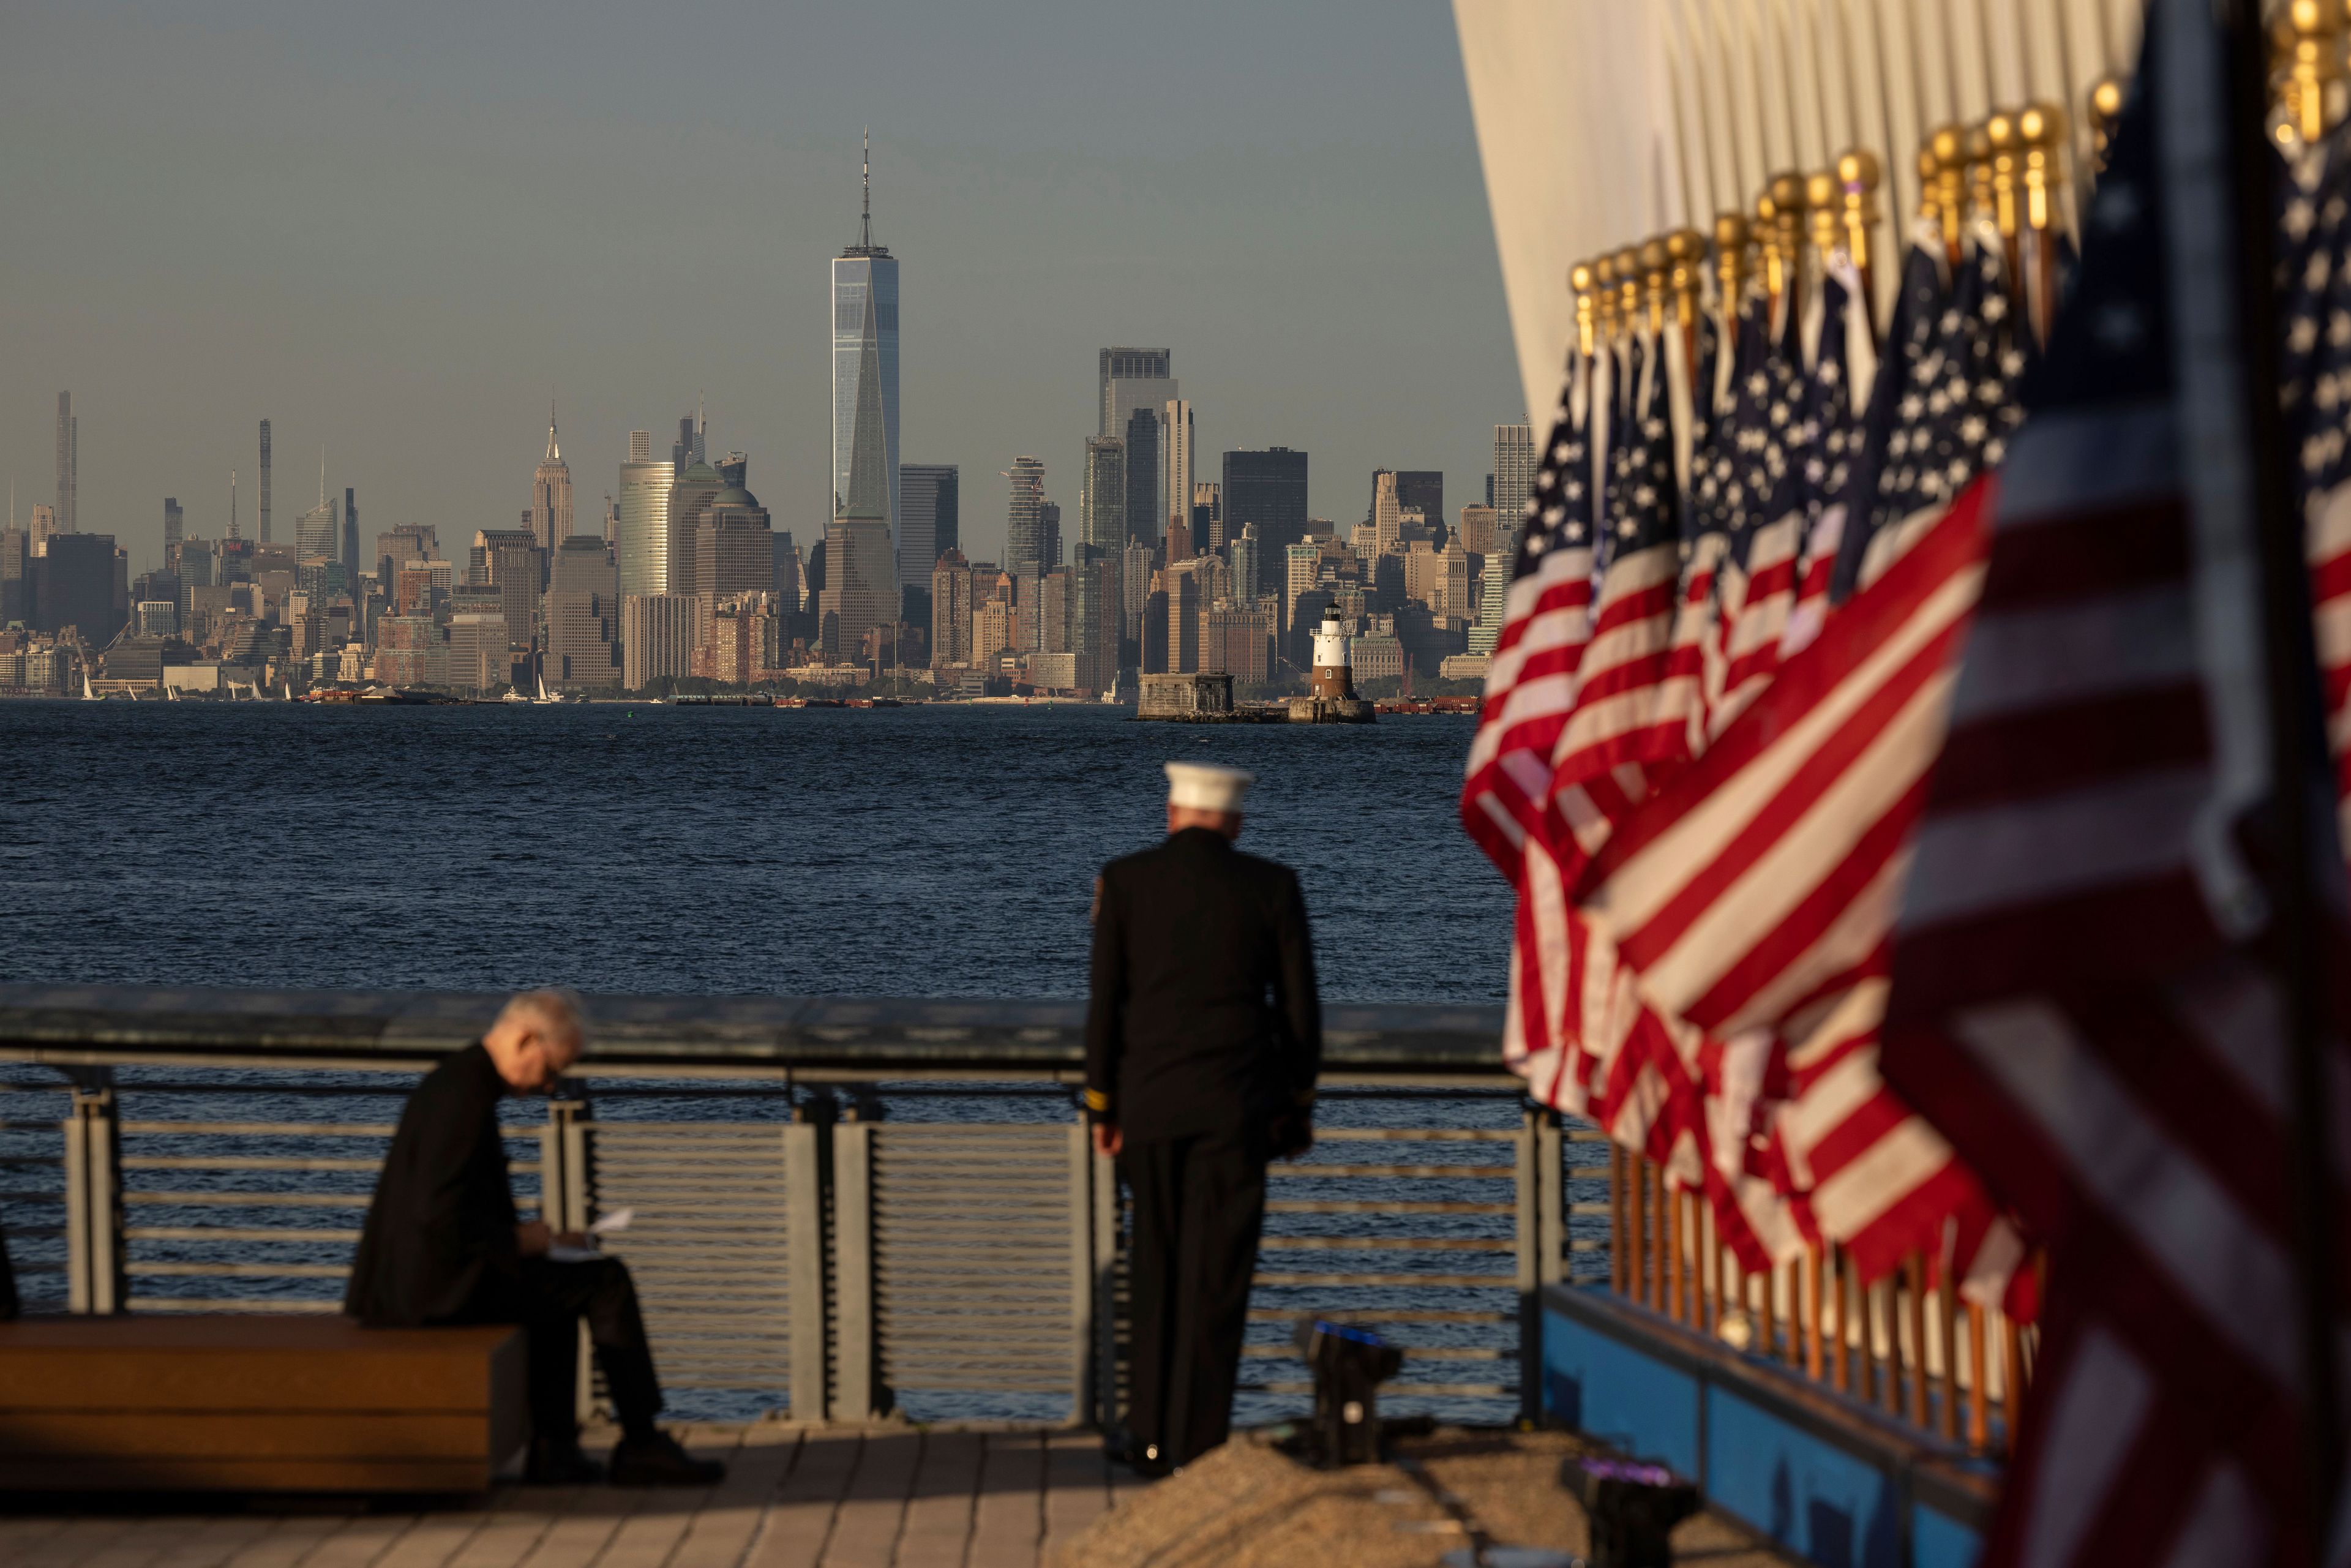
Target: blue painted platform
x,y
1822,1475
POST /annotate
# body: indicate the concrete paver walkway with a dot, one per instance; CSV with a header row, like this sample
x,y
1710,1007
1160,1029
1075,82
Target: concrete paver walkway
x,y
793,1498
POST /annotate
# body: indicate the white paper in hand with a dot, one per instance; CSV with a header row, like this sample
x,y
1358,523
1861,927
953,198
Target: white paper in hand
x,y
616,1221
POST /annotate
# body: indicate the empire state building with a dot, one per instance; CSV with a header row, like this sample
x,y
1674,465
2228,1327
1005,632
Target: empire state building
x,y
861,565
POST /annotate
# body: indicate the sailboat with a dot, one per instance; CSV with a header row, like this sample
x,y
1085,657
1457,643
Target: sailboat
x,y
171,694
88,692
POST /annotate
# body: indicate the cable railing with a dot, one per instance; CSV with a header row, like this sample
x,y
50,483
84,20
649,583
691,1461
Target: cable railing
x,y
843,1210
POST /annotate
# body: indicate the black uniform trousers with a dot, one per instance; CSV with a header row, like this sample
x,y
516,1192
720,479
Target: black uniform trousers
x,y
556,1296
1199,1202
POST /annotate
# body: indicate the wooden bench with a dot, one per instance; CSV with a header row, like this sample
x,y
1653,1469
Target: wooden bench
x,y
255,1403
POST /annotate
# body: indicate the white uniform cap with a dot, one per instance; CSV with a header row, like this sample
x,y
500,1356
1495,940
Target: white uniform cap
x,y
1205,787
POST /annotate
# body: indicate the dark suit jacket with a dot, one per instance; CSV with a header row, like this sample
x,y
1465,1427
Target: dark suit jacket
x,y
439,1244
1204,1011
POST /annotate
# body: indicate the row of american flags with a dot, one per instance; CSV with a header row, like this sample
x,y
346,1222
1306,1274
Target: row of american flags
x,y
1876,743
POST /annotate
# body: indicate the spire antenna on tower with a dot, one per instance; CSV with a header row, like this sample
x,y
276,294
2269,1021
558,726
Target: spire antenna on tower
x,y
865,220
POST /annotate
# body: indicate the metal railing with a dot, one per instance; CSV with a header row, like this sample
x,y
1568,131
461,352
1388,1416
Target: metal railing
x,y
894,1209
845,1208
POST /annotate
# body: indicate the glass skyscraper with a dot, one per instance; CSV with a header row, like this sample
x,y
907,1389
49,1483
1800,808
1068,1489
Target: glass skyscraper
x,y
1136,386
865,386
1267,488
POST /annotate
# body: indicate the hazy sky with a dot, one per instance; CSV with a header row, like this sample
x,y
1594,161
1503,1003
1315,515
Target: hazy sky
x,y
391,227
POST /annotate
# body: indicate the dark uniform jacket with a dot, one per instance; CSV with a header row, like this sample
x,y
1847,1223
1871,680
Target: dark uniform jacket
x,y
439,1246
1203,1013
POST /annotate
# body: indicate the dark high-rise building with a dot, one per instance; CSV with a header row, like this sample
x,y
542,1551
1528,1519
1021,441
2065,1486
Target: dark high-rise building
x,y
173,531
1267,488
929,496
264,481
16,575
351,535
1143,509
75,584
1424,488
1049,535
69,465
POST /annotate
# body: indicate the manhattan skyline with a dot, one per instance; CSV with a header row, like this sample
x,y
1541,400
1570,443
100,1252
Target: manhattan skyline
x,y
390,240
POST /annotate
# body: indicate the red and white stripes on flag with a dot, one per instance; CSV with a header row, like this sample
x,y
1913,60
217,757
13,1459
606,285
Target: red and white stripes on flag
x,y
1547,620
1749,900
2067,1006
2329,526
2082,992
1529,691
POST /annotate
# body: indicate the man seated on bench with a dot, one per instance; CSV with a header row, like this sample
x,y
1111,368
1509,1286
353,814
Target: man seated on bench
x,y
444,1245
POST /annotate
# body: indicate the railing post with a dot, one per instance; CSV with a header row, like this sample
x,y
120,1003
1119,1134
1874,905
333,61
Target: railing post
x,y
1106,1217
563,1203
807,1173
1529,1242
1081,1273
95,1278
1542,1242
855,1384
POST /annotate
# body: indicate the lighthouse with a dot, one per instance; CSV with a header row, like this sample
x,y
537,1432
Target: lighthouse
x,y
1333,678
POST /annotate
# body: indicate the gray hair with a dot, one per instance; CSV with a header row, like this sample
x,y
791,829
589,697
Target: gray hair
x,y
557,1009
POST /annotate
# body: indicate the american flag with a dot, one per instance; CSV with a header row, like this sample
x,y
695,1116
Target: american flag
x,y
2077,999
1844,362
1897,405
1766,495
1960,407
2316,393
1633,622
1681,699
1530,684
1744,909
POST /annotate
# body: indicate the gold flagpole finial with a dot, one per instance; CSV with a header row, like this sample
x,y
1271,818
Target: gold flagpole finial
x,y
2307,73
1578,278
2104,103
1628,289
1686,252
1975,153
1787,198
1603,296
1930,179
1730,238
1656,266
1948,146
2041,129
2003,168
1858,174
1823,208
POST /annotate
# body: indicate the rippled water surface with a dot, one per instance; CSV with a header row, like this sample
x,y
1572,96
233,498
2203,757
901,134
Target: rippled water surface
x,y
944,850
919,851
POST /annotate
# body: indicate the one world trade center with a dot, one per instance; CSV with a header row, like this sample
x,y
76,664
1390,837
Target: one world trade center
x,y
861,566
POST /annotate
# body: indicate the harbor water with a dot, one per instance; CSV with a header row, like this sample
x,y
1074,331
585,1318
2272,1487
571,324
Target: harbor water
x,y
938,851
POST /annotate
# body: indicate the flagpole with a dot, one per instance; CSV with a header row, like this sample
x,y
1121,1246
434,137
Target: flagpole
x,y
2296,910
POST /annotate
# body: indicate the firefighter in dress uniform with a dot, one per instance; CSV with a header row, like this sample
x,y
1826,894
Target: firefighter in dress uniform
x,y
1203,1039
